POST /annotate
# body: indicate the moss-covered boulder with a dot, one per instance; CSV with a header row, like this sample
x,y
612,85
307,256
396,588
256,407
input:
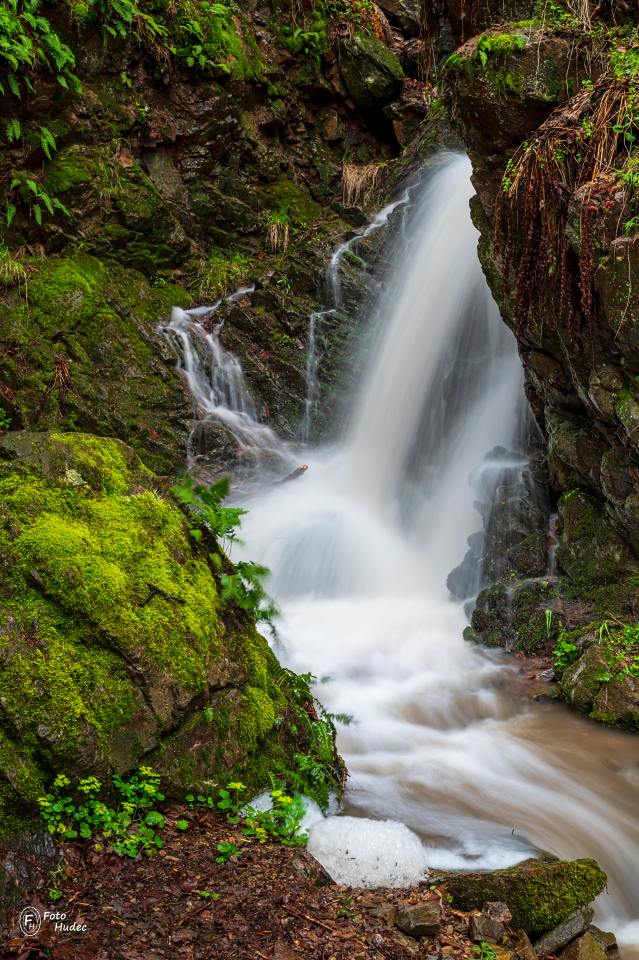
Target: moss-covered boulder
x,y
81,351
372,73
115,647
601,682
541,894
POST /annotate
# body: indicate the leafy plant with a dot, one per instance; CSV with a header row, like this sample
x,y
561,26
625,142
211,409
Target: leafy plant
x,y
227,851
29,42
205,505
281,823
35,196
131,827
5,420
244,586
484,951
565,652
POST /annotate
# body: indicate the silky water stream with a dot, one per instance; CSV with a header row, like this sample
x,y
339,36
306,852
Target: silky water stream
x,y
360,548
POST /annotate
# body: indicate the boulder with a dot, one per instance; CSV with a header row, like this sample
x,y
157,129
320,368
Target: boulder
x,y
115,647
371,72
482,927
585,948
541,894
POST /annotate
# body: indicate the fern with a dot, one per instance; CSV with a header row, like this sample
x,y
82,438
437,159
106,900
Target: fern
x,y
47,142
13,130
245,585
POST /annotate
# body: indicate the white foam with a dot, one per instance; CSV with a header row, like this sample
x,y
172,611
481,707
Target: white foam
x,y
358,852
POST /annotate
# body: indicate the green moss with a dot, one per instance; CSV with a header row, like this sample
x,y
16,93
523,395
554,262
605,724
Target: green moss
x,y
257,717
98,320
93,558
540,894
112,650
219,273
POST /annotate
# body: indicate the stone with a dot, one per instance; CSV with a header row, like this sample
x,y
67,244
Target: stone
x,y
409,944
524,949
497,911
606,940
585,948
560,936
482,927
117,654
372,73
419,919
541,894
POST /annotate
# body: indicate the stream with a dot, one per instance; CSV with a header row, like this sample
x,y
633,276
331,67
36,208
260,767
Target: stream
x,y
442,740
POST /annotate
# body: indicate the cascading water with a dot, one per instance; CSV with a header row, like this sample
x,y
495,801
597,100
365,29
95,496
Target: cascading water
x,y
360,548
220,393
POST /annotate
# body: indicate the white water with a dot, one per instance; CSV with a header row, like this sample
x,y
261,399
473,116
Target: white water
x,y
360,548
218,386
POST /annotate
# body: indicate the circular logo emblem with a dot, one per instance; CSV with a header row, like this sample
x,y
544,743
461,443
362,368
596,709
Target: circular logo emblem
x,y
30,921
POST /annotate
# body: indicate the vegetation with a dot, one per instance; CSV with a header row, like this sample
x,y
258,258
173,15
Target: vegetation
x,y
134,824
587,146
130,827
280,823
621,652
243,585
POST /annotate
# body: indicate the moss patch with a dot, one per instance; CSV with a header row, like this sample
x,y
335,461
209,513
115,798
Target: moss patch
x,y
84,354
540,894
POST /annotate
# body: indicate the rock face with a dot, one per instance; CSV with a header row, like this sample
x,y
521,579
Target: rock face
x,y
116,647
183,167
540,894
555,270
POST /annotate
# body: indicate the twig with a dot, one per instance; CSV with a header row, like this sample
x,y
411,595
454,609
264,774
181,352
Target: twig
x,y
305,916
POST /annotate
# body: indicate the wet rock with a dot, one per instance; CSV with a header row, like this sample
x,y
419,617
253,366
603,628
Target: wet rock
x,y
540,894
406,12
482,927
564,933
585,948
372,73
606,940
419,919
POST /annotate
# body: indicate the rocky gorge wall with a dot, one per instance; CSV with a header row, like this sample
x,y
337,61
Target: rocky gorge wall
x,y
547,106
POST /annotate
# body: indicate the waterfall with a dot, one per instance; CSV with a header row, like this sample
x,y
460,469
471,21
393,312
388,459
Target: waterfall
x,y
360,548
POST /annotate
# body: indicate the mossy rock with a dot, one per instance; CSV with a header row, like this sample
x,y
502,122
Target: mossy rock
x,y
371,72
540,894
82,352
590,551
115,648
595,686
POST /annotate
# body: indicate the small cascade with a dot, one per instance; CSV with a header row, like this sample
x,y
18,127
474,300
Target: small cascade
x,y
225,419
344,252
346,249
552,541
